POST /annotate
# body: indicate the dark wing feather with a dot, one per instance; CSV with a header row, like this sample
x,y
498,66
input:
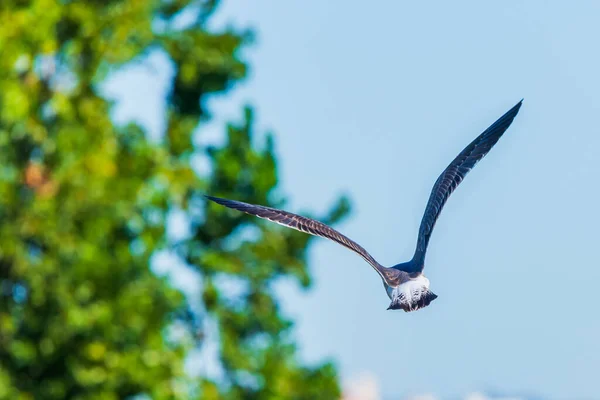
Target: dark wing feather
x,y
453,175
310,226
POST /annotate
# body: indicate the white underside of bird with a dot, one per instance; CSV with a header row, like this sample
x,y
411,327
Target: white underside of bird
x,y
411,295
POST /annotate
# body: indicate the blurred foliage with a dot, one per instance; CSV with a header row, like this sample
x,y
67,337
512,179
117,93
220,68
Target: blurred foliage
x,y
84,205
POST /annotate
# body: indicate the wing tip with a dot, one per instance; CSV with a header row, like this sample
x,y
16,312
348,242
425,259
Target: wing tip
x,y
217,200
517,106
511,114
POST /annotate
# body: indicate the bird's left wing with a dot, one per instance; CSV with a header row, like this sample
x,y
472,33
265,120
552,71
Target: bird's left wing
x,y
311,226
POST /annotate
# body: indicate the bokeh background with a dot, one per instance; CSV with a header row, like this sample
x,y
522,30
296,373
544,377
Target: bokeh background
x,y
119,281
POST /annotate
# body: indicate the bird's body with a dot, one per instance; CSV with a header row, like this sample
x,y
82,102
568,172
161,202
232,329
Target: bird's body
x,y
413,293
405,284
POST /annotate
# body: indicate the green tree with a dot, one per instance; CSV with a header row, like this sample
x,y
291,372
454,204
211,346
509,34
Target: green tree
x,y
84,203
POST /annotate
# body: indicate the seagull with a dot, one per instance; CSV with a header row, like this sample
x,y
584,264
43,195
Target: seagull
x,y
404,283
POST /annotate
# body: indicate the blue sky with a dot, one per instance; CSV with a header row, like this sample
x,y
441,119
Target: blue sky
x,y
374,102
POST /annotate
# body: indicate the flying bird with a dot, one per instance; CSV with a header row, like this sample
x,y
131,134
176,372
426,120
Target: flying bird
x,y
405,284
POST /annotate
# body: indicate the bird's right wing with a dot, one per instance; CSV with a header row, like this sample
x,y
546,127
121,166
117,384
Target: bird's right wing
x,y
453,175
311,226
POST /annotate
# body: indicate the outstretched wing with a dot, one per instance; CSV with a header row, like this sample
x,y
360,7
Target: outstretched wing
x,y
453,175
310,226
